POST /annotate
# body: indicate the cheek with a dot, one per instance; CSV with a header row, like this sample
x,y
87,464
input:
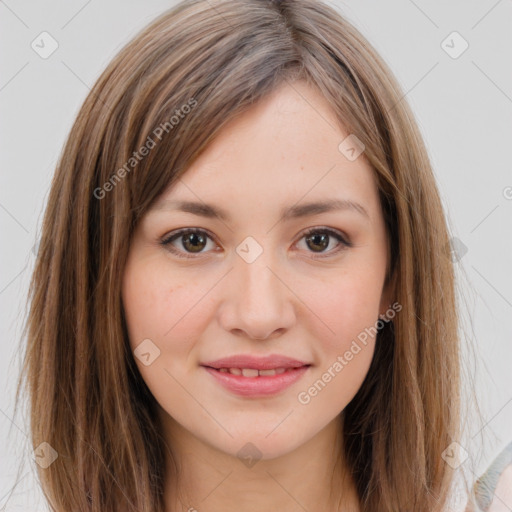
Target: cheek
x,y
346,308
163,308
345,311
165,317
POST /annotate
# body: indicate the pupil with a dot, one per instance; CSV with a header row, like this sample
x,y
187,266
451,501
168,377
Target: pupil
x,y
195,237
323,238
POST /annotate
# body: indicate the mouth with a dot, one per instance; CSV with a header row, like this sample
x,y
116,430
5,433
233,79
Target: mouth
x,y
253,382
254,372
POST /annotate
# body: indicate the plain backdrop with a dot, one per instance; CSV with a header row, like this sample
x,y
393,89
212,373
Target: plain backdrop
x,y
462,101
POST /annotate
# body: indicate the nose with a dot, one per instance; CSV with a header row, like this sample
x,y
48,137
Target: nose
x,y
258,301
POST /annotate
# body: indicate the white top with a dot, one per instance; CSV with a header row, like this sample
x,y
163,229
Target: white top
x,y
493,490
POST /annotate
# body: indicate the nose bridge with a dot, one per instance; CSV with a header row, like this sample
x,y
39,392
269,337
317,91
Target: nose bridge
x,y
259,302
256,271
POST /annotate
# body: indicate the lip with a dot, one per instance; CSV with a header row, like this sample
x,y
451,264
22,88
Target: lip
x,y
257,386
258,363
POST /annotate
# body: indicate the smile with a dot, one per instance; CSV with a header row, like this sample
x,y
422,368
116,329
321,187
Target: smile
x,y
252,372
250,382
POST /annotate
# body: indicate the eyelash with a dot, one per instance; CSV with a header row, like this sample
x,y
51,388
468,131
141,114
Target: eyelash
x,y
166,241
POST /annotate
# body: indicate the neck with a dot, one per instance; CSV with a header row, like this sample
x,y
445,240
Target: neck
x,y
312,477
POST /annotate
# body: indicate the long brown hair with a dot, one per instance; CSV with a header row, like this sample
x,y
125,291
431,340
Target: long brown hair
x,y
171,90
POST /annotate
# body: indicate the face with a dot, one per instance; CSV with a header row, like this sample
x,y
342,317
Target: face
x,y
256,282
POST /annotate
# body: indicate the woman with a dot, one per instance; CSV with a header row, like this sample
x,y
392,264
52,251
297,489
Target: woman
x,y
189,348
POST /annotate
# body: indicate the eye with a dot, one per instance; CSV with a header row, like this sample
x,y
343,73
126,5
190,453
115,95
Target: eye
x,y
319,238
194,240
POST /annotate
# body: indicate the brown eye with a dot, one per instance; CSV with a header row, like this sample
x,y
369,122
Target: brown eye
x,y
192,241
319,239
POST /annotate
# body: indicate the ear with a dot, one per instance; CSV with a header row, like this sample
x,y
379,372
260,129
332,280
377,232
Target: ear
x,y
388,296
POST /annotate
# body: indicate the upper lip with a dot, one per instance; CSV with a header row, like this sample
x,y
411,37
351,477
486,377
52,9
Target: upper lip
x,y
259,363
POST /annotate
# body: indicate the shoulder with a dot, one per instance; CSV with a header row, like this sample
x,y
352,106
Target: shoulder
x,y
503,494
493,490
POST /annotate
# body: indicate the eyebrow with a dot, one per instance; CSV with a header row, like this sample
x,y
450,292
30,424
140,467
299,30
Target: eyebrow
x,y
287,213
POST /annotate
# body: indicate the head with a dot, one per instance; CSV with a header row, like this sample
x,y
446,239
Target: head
x,y
259,282
255,120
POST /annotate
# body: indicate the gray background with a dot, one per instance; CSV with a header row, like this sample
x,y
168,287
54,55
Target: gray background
x,y
463,106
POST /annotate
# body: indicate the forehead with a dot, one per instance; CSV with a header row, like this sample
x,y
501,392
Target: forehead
x,y
284,153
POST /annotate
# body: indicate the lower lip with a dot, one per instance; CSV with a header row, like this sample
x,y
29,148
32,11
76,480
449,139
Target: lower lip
x,y
257,386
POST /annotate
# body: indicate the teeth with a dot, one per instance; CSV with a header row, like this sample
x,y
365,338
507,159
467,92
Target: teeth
x,y
252,372
249,372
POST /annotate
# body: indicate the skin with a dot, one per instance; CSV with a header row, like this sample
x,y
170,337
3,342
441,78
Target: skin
x,y
283,151
502,501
